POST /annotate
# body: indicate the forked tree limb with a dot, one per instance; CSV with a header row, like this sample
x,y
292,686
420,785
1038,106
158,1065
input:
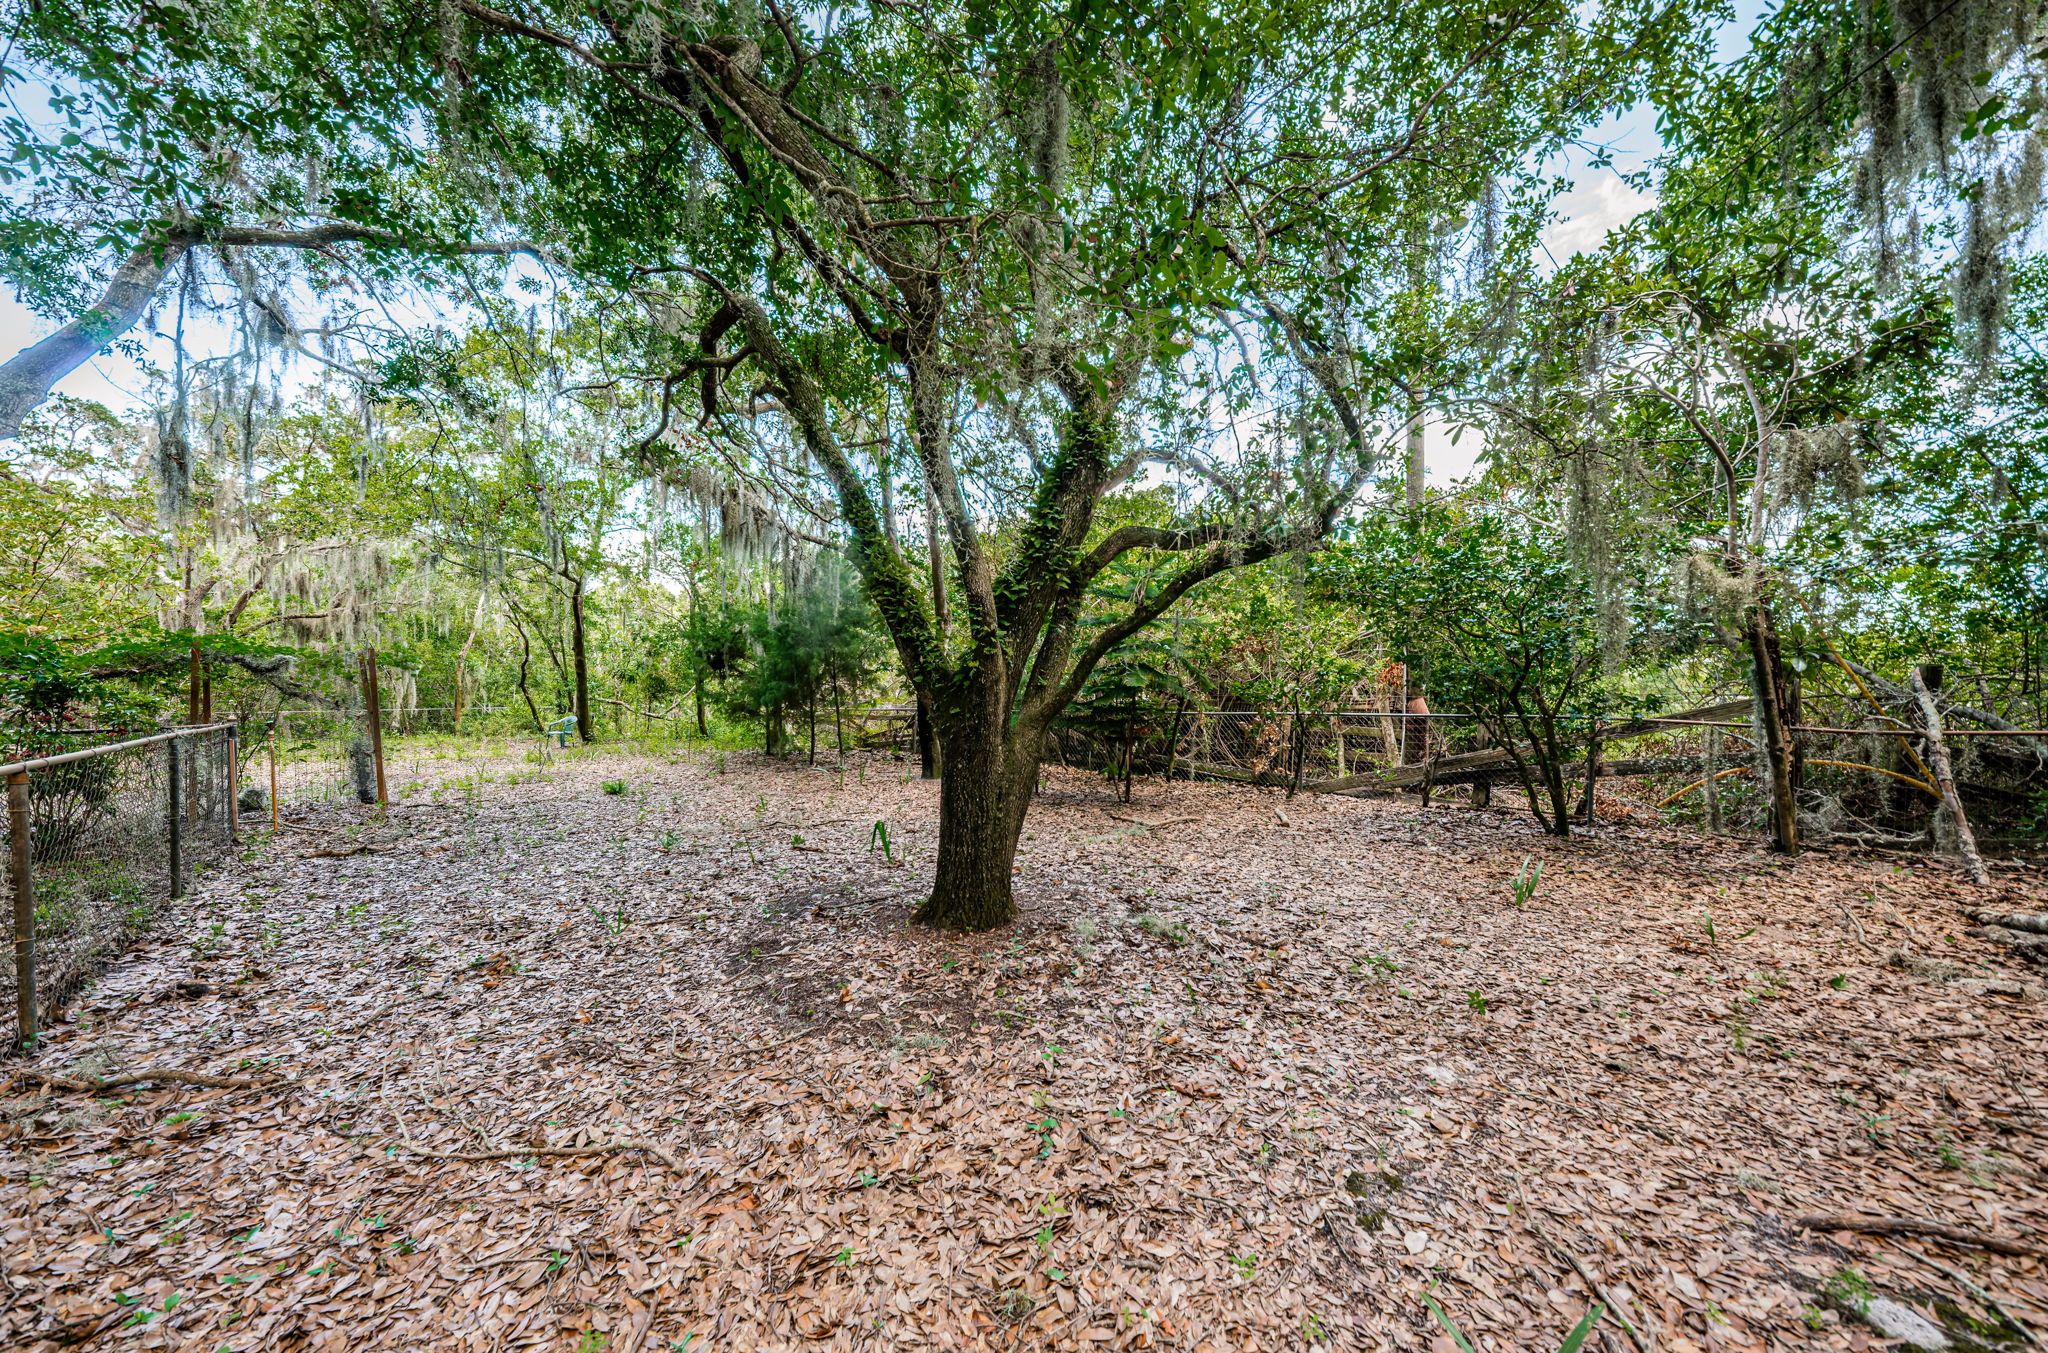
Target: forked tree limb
x,y
1913,1226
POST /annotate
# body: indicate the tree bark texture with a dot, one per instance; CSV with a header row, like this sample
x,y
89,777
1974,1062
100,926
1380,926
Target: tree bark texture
x,y
1945,779
1767,670
584,729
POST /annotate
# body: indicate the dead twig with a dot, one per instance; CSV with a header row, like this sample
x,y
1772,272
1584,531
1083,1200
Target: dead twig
x,y
340,854
1854,924
1938,1035
1637,1336
157,1074
655,1149
1984,1298
1913,1226
1152,826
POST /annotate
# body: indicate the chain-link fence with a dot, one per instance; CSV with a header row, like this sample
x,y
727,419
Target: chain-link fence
x,y
98,837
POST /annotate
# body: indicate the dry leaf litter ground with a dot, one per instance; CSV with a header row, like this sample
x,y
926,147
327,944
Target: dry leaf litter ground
x,y
1251,1080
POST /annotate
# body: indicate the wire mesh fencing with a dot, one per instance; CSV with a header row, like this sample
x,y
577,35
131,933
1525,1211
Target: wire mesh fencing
x,y
1265,747
98,837
325,756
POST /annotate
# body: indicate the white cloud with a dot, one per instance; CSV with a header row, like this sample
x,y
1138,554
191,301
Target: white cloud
x,y
1600,202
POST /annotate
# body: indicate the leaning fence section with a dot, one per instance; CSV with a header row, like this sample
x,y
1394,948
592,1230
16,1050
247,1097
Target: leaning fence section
x,y
98,837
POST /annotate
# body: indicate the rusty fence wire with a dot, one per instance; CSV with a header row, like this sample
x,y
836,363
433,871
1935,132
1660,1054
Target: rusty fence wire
x,y
98,837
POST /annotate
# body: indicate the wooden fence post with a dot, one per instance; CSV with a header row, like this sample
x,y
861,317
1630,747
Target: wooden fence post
x,y
24,911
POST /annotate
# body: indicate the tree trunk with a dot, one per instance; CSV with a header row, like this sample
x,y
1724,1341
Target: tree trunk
x,y
1592,769
525,660
698,688
1713,786
1417,471
584,731
1768,679
991,767
483,591
1944,775
927,740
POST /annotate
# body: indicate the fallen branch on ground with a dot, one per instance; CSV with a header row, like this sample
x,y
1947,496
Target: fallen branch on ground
x,y
655,1149
1155,826
1913,1226
160,1075
2037,923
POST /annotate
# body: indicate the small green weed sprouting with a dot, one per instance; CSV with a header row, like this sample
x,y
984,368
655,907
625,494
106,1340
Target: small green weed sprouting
x,y
878,839
1476,1001
593,1341
1838,981
1246,1264
1851,1289
1714,939
760,805
612,787
1573,1342
845,1256
1173,932
613,922
1527,880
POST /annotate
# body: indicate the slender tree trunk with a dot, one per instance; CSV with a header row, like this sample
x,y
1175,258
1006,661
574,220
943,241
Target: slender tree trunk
x,y
1417,471
1553,774
697,688
1713,786
584,730
462,657
1768,673
1945,776
1592,768
525,659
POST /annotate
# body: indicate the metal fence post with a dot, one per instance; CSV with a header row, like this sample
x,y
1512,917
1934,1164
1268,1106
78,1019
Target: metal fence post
x,y
24,912
177,818
234,783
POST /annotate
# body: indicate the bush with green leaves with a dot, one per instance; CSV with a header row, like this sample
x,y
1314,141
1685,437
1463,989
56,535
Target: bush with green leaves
x,y
1489,605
